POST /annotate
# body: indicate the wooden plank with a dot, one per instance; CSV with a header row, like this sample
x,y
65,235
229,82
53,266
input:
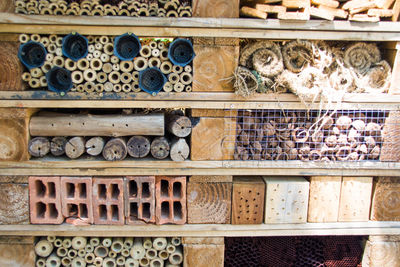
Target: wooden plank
x,y
11,68
211,179
384,238
396,11
391,139
381,254
323,205
394,83
380,12
328,3
250,12
286,199
248,200
295,3
209,202
206,230
271,8
27,240
213,113
355,199
319,13
203,240
216,8
203,255
213,67
385,199
14,208
13,179
213,139
17,255
303,14
210,41
7,6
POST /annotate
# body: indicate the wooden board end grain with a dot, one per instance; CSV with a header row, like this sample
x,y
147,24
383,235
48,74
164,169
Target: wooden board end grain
x,y
386,199
203,240
214,113
381,254
216,8
395,60
391,138
211,178
323,205
17,255
7,6
213,139
203,255
11,68
355,199
213,67
14,208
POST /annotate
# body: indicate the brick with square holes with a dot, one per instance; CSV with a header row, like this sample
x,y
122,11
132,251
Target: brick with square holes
x,y
45,200
108,200
140,199
76,199
170,200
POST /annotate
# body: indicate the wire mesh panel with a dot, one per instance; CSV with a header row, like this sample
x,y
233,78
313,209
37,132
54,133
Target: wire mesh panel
x,y
344,135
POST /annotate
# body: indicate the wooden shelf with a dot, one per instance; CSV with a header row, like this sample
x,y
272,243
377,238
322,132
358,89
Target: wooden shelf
x,y
220,100
201,27
152,167
207,230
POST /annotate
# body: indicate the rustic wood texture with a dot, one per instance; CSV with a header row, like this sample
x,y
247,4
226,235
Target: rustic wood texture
x,y
39,146
14,134
17,255
213,67
94,146
203,255
213,139
179,149
391,138
160,148
10,68
323,205
286,199
96,125
115,149
386,199
392,55
14,208
7,6
214,113
248,195
203,240
138,146
180,126
381,254
355,199
13,179
57,145
209,202
211,178
216,8
75,147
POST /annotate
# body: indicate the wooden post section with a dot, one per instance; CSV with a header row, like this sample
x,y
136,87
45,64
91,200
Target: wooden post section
x,y
386,199
10,68
216,8
203,252
382,251
214,64
324,198
248,200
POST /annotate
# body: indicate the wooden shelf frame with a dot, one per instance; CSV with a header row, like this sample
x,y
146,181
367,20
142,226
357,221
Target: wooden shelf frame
x,y
166,167
201,27
206,100
207,230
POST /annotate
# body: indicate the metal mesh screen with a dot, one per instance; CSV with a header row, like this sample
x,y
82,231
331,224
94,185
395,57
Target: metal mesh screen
x,y
344,135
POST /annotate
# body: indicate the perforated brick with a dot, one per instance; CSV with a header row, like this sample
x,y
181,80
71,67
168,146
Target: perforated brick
x,y
76,199
140,199
45,200
170,200
108,201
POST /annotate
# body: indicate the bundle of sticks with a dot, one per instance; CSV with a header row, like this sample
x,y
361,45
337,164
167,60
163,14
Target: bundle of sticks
x,y
110,136
130,8
101,71
109,251
353,10
299,135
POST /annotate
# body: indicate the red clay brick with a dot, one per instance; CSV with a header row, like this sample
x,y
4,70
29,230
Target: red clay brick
x,y
108,200
140,199
45,200
170,200
76,199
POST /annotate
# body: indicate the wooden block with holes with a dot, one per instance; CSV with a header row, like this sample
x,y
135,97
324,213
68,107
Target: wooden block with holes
x,y
385,199
323,205
213,139
248,195
215,64
203,252
216,8
286,199
355,199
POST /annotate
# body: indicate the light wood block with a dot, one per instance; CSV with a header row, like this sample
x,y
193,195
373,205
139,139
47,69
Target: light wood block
x,y
395,60
386,199
296,3
381,254
391,139
213,66
7,6
11,68
17,255
211,178
323,205
203,255
396,11
213,139
248,200
14,208
355,199
214,113
286,199
209,202
216,8
203,240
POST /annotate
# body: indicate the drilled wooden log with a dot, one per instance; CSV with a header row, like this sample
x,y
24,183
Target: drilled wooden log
x,y
115,149
138,146
39,146
97,125
180,126
57,145
160,148
11,69
94,146
179,149
75,147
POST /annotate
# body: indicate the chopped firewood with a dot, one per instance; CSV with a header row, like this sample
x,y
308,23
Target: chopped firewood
x,y
271,8
339,13
385,4
252,12
303,14
329,3
320,13
296,3
375,12
355,4
362,8
396,11
363,18
251,3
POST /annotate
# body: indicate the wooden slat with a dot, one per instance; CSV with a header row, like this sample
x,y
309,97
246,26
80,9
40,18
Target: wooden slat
x,y
203,255
206,230
216,8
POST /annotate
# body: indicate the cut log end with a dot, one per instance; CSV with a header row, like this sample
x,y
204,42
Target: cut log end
x,y
57,146
75,147
115,150
180,126
138,146
39,147
179,150
160,148
94,146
